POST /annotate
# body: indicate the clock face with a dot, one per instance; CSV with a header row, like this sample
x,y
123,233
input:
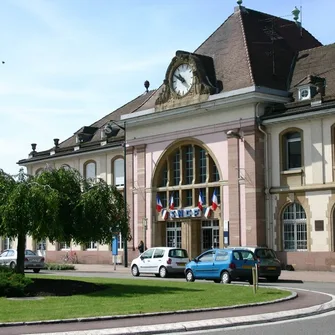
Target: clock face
x,y
182,79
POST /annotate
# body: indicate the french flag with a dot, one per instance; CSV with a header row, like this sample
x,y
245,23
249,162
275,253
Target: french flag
x,y
159,205
214,201
165,214
208,212
171,203
200,201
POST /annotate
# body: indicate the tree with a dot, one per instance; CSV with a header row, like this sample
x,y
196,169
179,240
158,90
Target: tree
x,y
59,205
25,207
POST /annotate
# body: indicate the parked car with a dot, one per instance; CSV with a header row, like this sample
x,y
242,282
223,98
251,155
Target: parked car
x,y
160,261
269,264
222,265
31,261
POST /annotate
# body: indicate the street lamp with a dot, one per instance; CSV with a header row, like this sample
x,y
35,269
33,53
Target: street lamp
x,y
145,227
111,131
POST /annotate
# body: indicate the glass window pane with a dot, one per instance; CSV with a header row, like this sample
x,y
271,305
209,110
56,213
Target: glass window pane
x,y
176,199
90,170
216,176
294,154
176,168
189,164
202,166
119,172
189,199
164,175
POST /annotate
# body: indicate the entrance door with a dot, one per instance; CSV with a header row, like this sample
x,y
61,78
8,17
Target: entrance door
x,y
210,234
207,239
173,234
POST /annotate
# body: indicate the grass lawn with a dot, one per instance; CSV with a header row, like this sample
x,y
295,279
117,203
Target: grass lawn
x,y
131,296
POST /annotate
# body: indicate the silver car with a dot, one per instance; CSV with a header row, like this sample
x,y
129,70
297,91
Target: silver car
x,y
31,261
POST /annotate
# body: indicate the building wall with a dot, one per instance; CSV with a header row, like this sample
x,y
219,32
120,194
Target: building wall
x,y
312,187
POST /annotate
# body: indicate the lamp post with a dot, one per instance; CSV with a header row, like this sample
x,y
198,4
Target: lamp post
x,y
145,227
112,132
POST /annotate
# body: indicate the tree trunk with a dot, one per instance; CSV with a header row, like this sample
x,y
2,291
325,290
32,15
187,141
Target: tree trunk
x,y
21,246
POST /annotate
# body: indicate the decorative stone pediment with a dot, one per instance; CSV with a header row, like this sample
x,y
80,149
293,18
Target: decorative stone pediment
x,y
203,81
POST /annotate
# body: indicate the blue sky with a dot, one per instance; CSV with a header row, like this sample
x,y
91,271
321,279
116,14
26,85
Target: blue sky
x,y
70,62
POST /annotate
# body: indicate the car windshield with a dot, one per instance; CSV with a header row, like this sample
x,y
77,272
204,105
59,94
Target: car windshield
x,y
265,253
29,253
178,253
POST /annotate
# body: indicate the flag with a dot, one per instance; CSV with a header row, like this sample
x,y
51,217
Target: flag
x,y
165,214
207,212
214,201
200,201
159,205
171,203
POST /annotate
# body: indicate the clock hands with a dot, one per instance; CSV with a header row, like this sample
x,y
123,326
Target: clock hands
x,y
180,77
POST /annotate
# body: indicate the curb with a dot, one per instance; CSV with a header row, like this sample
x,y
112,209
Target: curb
x,y
211,323
292,296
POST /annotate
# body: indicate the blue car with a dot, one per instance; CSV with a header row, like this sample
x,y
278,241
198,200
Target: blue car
x,y
222,265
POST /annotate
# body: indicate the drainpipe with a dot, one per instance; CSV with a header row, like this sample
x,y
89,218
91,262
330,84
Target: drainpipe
x,y
323,154
268,203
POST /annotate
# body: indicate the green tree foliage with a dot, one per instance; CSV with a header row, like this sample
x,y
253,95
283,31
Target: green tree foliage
x,y
59,204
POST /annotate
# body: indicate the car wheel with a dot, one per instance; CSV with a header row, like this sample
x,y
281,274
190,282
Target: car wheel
x,y
189,276
225,277
162,272
12,265
134,271
36,270
272,279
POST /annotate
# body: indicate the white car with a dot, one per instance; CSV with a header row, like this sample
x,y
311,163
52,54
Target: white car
x,y
31,261
160,261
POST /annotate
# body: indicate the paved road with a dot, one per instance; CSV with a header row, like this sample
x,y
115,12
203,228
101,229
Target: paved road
x,y
305,299
318,325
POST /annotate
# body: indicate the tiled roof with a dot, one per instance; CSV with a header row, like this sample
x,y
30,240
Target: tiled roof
x,y
319,62
310,65
253,48
249,49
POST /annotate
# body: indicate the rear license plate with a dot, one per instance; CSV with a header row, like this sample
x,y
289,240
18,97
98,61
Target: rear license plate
x,y
271,268
181,264
246,266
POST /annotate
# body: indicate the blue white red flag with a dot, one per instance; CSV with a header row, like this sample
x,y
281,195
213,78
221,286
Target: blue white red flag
x,y
200,201
171,203
159,205
214,201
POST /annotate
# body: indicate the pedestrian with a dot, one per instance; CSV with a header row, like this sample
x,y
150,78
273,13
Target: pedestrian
x,y
141,247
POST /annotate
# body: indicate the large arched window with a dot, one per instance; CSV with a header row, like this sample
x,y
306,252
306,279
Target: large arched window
x,y
66,167
185,173
118,172
39,171
294,228
90,170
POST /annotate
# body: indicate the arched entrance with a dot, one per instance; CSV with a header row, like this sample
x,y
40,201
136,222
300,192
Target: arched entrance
x,y
332,230
186,181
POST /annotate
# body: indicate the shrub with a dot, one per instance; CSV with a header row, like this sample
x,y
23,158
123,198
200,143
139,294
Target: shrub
x,y
57,267
12,284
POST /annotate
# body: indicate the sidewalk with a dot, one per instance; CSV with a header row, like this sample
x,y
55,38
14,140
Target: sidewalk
x,y
305,276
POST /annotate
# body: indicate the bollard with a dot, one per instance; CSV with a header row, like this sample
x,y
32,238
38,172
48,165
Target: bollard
x,y
253,270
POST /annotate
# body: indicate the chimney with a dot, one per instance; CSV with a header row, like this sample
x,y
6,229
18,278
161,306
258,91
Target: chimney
x,y
56,142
